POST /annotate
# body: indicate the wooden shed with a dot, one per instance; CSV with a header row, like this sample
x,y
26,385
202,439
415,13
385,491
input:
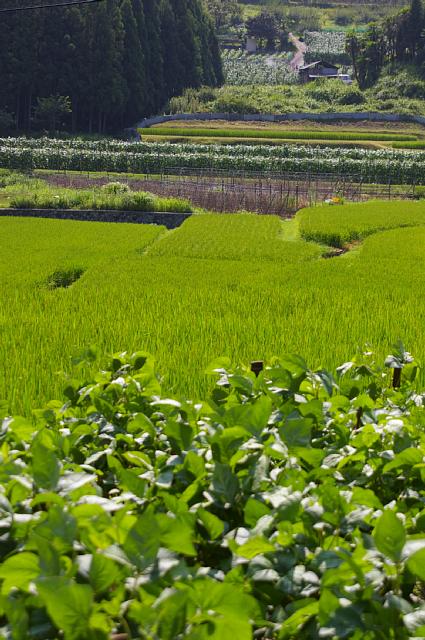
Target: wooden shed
x,y
319,69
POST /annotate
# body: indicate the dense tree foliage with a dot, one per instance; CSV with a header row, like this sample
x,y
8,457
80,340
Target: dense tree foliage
x,y
116,61
398,39
225,12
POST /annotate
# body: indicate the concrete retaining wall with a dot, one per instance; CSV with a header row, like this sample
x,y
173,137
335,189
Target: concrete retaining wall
x,y
259,117
169,220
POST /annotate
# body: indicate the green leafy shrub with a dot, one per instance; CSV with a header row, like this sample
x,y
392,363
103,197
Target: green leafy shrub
x,y
287,506
113,198
116,187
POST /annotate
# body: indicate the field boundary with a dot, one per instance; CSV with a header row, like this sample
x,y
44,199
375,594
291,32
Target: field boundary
x,y
170,220
281,117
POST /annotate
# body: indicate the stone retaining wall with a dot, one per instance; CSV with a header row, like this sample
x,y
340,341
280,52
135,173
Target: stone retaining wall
x,y
315,117
169,220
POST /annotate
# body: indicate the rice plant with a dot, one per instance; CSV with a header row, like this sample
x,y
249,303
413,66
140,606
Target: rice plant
x,y
241,286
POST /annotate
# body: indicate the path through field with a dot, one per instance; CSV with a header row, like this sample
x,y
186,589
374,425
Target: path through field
x,y
301,49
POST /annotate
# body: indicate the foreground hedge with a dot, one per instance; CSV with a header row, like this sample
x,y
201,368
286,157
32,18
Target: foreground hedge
x,y
286,506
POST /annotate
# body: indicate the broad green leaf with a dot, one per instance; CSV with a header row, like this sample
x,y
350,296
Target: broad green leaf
x,y
23,429
294,624
296,431
296,365
68,604
223,598
142,542
194,464
45,466
416,564
365,497
408,457
18,571
172,616
254,547
224,483
313,457
59,529
130,480
49,556
254,417
223,628
180,432
103,573
48,498
389,535
212,524
177,533
141,423
254,510
18,617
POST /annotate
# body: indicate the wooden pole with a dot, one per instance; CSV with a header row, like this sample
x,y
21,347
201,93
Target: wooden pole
x,y
257,367
397,378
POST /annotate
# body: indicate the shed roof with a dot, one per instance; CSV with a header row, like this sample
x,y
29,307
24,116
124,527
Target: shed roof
x,y
315,64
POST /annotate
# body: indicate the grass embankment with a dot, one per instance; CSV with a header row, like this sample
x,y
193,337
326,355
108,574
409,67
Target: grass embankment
x,y
276,134
391,94
230,285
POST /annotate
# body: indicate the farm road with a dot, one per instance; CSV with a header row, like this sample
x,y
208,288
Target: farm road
x,y
301,49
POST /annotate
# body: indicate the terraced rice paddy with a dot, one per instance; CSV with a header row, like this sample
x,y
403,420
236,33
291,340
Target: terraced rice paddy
x,y
238,285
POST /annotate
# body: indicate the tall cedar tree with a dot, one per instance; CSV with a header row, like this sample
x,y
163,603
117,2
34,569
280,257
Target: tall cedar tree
x,y
398,39
118,60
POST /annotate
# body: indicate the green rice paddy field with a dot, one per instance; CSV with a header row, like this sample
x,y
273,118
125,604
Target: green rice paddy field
x,y
238,285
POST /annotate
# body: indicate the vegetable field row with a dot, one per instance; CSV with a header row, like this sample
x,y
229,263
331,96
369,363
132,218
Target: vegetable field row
x,y
379,165
327,45
288,506
247,69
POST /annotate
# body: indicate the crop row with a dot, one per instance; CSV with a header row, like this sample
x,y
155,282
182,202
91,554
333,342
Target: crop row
x,y
371,165
417,144
274,133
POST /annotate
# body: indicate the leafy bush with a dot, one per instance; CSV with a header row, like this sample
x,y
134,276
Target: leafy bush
x,y
289,506
352,96
113,198
116,187
235,104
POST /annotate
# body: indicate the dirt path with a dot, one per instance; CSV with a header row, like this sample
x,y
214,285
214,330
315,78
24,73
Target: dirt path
x,y
301,48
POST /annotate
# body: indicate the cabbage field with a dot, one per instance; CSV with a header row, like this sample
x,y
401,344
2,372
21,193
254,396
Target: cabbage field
x,y
372,165
239,285
241,68
323,43
328,46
